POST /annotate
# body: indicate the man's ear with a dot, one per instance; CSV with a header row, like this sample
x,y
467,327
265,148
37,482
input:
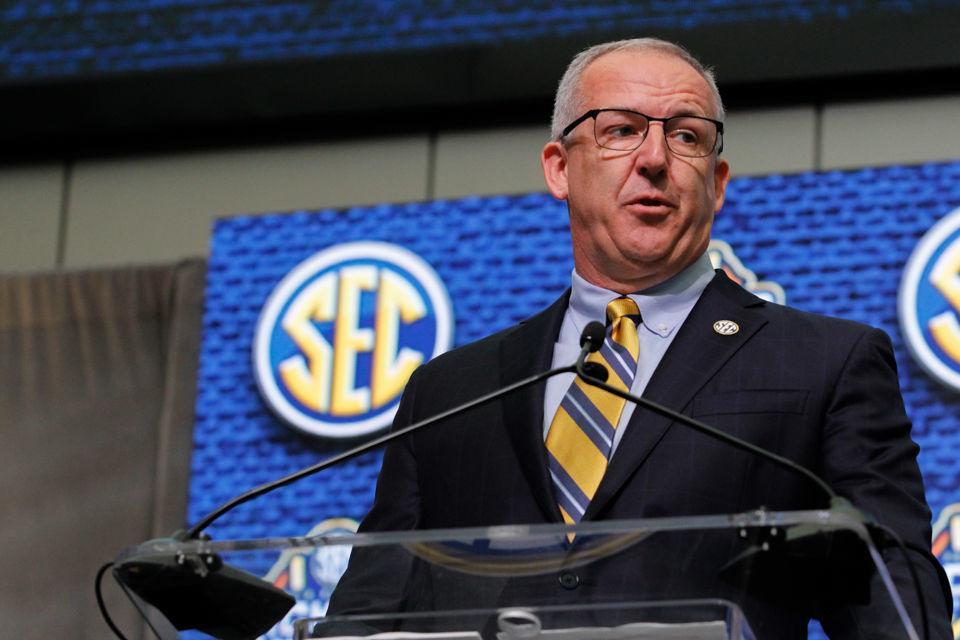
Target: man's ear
x,y
721,176
553,159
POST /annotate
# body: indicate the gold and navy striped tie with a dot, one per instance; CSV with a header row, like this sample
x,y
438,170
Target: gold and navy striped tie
x,y
581,435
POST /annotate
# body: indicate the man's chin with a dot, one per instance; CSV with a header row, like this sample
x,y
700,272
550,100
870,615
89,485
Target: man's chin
x,y
647,260
654,268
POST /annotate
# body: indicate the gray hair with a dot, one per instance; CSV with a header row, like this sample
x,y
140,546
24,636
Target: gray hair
x,y
568,105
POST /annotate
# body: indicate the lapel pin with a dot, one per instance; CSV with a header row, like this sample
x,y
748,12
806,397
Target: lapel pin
x,y
726,327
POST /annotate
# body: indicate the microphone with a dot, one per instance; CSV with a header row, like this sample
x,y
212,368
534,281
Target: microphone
x,y
836,502
202,592
593,334
798,548
590,342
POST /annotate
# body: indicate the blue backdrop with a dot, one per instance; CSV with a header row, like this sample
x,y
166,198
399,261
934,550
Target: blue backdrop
x,y
836,242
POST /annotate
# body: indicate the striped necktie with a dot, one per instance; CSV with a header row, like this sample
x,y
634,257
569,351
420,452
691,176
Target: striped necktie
x,y
581,435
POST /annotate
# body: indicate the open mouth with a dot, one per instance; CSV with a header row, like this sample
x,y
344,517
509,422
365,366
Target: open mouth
x,y
651,204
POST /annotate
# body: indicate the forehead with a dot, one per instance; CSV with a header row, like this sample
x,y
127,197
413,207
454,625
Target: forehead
x,y
654,82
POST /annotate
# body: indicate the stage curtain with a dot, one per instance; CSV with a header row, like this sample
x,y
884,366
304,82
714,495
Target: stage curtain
x,y
97,389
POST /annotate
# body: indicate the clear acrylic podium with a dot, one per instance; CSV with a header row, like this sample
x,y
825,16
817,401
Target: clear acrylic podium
x,y
726,576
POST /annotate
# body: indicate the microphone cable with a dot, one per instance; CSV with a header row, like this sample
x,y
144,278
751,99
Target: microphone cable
x,y
103,606
100,603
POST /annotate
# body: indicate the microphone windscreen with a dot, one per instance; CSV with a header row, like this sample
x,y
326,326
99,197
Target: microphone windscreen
x,y
594,333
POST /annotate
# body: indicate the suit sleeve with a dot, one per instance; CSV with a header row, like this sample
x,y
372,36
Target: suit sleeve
x,y
376,579
869,458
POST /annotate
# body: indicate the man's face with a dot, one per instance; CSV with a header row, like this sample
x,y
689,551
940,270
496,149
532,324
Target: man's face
x,y
637,217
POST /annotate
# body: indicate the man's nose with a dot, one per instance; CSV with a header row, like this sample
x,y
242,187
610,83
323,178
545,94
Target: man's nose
x,y
652,153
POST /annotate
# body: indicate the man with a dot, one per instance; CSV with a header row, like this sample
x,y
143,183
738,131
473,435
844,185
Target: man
x,y
635,152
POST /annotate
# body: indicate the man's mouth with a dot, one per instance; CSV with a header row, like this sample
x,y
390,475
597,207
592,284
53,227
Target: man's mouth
x,y
650,202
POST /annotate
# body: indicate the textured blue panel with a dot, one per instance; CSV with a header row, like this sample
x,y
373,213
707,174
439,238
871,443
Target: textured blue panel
x,y
62,38
837,242
501,259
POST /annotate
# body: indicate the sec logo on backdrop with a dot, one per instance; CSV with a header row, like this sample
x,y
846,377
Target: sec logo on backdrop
x,y
723,257
946,548
930,301
310,574
340,335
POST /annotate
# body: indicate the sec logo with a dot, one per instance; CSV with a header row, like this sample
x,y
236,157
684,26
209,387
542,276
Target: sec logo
x,y
929,304
946,548
340,335
723,257
310,574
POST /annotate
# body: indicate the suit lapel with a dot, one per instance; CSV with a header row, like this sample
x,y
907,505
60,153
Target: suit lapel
x,y
694,356
526,351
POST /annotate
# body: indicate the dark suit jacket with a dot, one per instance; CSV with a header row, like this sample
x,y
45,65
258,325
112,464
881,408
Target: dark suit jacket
x,y
823,392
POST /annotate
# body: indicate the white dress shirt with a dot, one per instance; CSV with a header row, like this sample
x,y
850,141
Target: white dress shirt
x,y
663,309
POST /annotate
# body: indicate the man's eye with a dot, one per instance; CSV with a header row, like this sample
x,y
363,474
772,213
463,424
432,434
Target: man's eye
x,y
622,131
685,136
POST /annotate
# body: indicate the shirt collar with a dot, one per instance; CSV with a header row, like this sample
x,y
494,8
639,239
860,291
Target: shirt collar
x,y
663,307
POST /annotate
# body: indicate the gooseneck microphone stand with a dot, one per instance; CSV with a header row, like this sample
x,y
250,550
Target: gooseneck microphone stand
x,y
204,593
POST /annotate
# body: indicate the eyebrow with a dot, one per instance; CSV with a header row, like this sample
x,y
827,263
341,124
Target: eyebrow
x,y
678,114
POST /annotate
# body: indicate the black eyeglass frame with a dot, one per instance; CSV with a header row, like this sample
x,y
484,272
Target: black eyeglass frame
x,y
593,113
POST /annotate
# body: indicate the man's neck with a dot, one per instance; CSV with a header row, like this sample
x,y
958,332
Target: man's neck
x,y
625,286
691,279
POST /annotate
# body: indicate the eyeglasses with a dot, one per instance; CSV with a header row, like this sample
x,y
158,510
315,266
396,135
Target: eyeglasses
x,y
625,130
